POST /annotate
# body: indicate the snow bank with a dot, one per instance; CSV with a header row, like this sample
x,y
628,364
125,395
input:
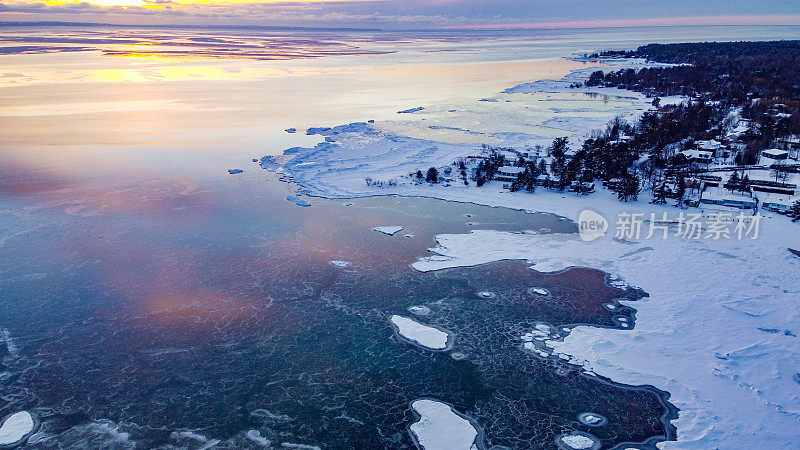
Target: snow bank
x,y
440,428
16,427
390,230
423,335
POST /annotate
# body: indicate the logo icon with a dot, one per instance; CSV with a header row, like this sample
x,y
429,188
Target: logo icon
x,y
591,225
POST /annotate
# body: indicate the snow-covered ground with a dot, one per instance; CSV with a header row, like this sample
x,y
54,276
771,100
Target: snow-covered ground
x,y
440,428
719,331
16,427
423,335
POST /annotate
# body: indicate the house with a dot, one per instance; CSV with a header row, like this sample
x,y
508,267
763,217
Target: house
x,y
775,154
698,156
791,144
724,197
508,173
715,147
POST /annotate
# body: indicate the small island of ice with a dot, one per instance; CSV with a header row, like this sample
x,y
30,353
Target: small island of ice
x,y
439,427
298,201
578,441
339,263
390,230
420,310
16,427
410,110
592,419
422,335
538,291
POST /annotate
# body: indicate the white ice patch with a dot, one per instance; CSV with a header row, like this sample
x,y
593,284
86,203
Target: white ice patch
x,y
441,428
300,446
255,436
390,230
16,427
339,263
423,335
578,441
539,291
420,310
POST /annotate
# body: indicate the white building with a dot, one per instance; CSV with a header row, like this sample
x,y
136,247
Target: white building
x,y
699,156
777,202
508,173
775,154
724,197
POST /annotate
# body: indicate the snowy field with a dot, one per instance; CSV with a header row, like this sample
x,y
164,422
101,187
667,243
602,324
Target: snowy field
x,y
719,331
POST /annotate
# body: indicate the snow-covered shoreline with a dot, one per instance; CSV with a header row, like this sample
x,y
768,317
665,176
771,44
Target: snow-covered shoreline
x,y
719,331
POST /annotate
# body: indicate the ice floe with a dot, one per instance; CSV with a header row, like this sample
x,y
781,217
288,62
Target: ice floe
x,y
440,428
410,110
423,335
420,310
390,230
577,440
591,419
255,437
298,201
16,428
339,263
538,291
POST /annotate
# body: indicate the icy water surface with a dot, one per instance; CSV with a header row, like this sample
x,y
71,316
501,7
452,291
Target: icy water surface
x,y
175,314
150,300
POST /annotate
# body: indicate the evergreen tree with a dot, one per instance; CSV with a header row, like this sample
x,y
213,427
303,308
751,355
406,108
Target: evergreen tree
x,y
794,211
734,183
660,194
744,185
432,176
559,147
629,188
681,191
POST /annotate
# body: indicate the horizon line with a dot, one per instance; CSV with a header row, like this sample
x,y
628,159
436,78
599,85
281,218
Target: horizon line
x,y
705,21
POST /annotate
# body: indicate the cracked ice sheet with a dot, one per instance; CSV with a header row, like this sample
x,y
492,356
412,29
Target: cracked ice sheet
x,y
736,385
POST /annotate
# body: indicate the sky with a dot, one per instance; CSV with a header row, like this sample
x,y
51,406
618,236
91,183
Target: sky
x,y
410,14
